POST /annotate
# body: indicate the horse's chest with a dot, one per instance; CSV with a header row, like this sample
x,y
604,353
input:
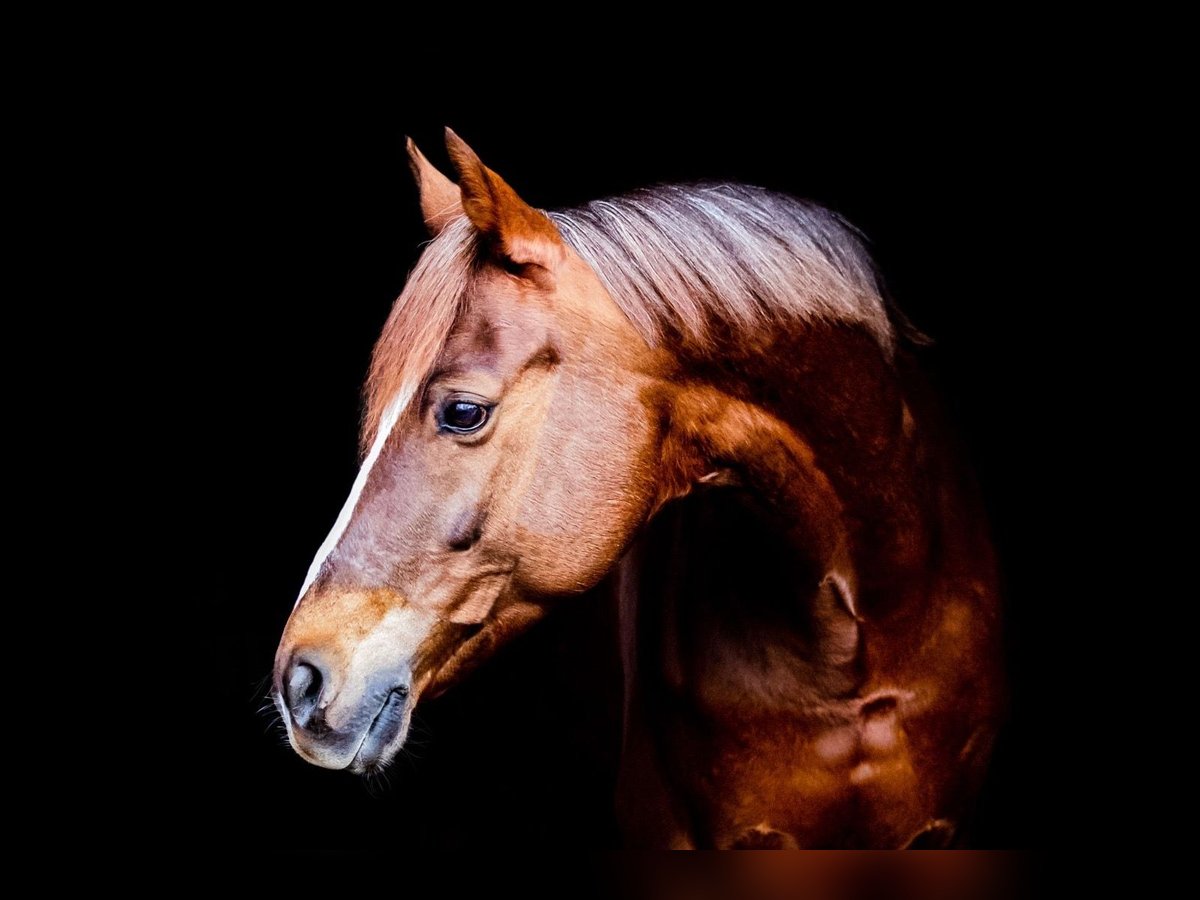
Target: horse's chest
x,y
776,785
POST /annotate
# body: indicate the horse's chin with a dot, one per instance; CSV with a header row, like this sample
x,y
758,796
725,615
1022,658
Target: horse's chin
x,y
478,644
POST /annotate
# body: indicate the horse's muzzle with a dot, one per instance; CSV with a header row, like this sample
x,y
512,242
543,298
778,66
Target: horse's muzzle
x,y
331,727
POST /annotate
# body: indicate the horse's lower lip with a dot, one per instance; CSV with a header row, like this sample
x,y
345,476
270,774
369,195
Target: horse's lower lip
x,y
382,731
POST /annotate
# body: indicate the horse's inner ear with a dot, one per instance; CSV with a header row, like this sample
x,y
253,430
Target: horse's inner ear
x,y
441,200
520,236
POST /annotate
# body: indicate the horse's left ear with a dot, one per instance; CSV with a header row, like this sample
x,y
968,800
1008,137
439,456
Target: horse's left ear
x,y
440,199
519,234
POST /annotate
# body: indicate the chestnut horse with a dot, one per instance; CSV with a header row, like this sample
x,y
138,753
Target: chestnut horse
x,y
700,390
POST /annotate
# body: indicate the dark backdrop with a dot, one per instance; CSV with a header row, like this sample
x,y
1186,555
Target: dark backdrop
x,y
318,227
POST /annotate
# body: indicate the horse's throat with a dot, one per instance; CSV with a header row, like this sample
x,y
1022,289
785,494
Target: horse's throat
x,y
732,613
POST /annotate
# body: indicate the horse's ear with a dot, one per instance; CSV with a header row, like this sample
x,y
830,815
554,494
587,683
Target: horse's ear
x,y
518,233
441,200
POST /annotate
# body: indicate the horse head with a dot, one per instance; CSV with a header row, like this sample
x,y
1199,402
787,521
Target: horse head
x,y
512,441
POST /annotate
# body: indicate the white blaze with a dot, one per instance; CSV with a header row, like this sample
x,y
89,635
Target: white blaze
x,y
386,423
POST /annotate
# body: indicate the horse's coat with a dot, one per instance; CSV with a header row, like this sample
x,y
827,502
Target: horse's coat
x,y
702,389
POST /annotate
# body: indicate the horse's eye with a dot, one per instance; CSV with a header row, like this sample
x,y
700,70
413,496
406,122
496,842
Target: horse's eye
x,y
463,417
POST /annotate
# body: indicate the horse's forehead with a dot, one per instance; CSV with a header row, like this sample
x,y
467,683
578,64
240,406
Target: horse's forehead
x,y
501,320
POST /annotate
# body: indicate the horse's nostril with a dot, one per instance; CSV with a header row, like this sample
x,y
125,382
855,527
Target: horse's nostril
x,y
304,683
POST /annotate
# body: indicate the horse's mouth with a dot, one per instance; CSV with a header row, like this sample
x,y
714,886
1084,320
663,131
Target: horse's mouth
x,y
388,725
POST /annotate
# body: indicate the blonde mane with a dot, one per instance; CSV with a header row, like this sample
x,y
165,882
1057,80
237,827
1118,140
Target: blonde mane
x,y
681,259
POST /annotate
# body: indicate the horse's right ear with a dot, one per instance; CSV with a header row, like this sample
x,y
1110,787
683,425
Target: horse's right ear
x,y
441,200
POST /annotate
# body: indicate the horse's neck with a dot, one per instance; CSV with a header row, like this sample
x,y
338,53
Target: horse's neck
x,y
846,445
765,588
824,620
717,604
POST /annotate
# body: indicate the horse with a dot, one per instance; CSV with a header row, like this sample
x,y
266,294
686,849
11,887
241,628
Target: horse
x,y
700,396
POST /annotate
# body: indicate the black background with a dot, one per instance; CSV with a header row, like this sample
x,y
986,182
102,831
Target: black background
x,y
319,226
